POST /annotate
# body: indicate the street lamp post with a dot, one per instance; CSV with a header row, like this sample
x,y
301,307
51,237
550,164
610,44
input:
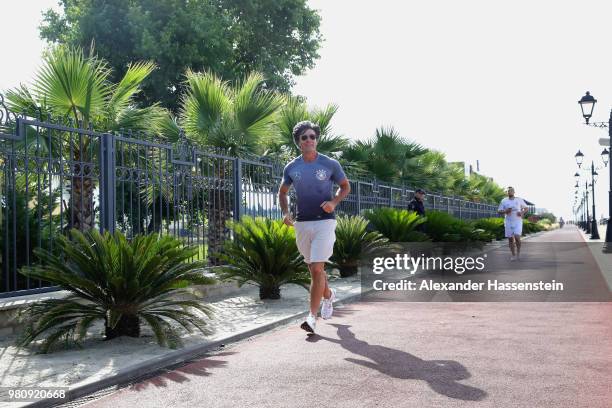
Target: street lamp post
x,y
586,206
592,225
594,229
587,104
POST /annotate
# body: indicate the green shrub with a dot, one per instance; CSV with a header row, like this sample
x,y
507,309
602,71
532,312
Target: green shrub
x,y
532,227
494,226
396,225
124,283
443,227
353,241
263,253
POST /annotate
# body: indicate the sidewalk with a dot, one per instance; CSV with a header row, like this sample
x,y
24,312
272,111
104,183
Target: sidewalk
x,y
418,354
102,364
603,259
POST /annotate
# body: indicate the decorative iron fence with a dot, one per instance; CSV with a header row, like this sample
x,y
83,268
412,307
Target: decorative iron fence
x,y
56,176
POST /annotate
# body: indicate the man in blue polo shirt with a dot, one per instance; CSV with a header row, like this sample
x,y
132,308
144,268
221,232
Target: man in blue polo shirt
x,y
313,176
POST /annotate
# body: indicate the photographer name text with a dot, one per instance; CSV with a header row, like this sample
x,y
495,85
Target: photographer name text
x,y
491,285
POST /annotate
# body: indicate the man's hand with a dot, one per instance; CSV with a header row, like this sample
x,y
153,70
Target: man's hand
x,y
328,206
288,219
508,211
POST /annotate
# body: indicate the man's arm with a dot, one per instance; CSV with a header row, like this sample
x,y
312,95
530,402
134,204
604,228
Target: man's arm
x,y
503,211
284,203
343,191
524,209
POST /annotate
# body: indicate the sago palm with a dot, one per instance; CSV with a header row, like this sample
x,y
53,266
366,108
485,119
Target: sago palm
x,y
263,253
122,283
397,225
353,242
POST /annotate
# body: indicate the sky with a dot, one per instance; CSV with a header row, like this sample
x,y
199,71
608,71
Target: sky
x,y
492,81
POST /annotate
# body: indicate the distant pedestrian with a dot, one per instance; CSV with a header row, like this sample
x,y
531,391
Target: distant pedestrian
x,y
561,222
514,209
418,204
313,176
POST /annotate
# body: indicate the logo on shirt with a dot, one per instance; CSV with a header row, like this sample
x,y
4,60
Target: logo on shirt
x,y
321,174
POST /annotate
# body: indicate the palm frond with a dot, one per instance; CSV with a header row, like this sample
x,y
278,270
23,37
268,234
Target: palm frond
x,y
72,85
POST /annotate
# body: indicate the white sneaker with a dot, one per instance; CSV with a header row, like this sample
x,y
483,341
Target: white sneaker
x,y
327,310
518,257
512,258
309,324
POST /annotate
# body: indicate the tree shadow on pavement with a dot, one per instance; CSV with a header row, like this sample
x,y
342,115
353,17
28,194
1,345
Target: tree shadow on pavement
x,y
181,374
441,375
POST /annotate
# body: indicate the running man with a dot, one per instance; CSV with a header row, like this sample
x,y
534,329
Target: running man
x,y
313,176
514,209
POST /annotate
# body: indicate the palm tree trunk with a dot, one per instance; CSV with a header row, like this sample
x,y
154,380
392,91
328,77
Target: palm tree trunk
x,y
218,214
81,199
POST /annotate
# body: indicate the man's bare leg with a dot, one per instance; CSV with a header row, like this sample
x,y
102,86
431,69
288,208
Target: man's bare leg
x,y
511,243
517,238
318,285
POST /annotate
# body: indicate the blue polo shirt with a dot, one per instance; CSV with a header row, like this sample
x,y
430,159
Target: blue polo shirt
x,y
313,183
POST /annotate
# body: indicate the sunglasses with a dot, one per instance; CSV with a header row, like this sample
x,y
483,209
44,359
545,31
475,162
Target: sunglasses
x,y
306,137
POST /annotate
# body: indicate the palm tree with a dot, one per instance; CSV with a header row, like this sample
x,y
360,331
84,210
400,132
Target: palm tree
x,y
388,156
76,89
295,110
238,118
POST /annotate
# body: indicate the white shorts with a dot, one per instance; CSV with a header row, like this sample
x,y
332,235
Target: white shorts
x,y
514,228
315,239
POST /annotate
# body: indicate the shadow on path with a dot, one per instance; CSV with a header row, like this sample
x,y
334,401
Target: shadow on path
x,y
181,374
441,375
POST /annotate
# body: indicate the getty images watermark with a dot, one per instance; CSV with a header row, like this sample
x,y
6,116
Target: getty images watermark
x,y
458,265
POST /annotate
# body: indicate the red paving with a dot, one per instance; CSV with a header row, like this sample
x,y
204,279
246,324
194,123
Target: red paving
x,y
406,354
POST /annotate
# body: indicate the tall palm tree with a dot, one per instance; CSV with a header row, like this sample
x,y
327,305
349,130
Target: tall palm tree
x,y
239,118
76,88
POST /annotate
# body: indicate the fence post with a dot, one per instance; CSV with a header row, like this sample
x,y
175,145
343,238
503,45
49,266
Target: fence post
x,y
237,188
107,183
358,197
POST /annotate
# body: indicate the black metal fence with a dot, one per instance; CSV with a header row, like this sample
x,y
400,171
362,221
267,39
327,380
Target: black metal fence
x,y
56,176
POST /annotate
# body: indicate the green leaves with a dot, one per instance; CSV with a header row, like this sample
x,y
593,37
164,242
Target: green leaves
x,y
73,85
238,117
78,87
113,279
231,38
353,241
443,227
396,225
263,253
295,110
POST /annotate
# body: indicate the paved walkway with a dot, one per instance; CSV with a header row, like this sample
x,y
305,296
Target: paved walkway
x,y
418,354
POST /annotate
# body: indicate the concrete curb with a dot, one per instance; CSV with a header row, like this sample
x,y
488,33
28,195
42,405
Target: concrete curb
x,y
174,358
